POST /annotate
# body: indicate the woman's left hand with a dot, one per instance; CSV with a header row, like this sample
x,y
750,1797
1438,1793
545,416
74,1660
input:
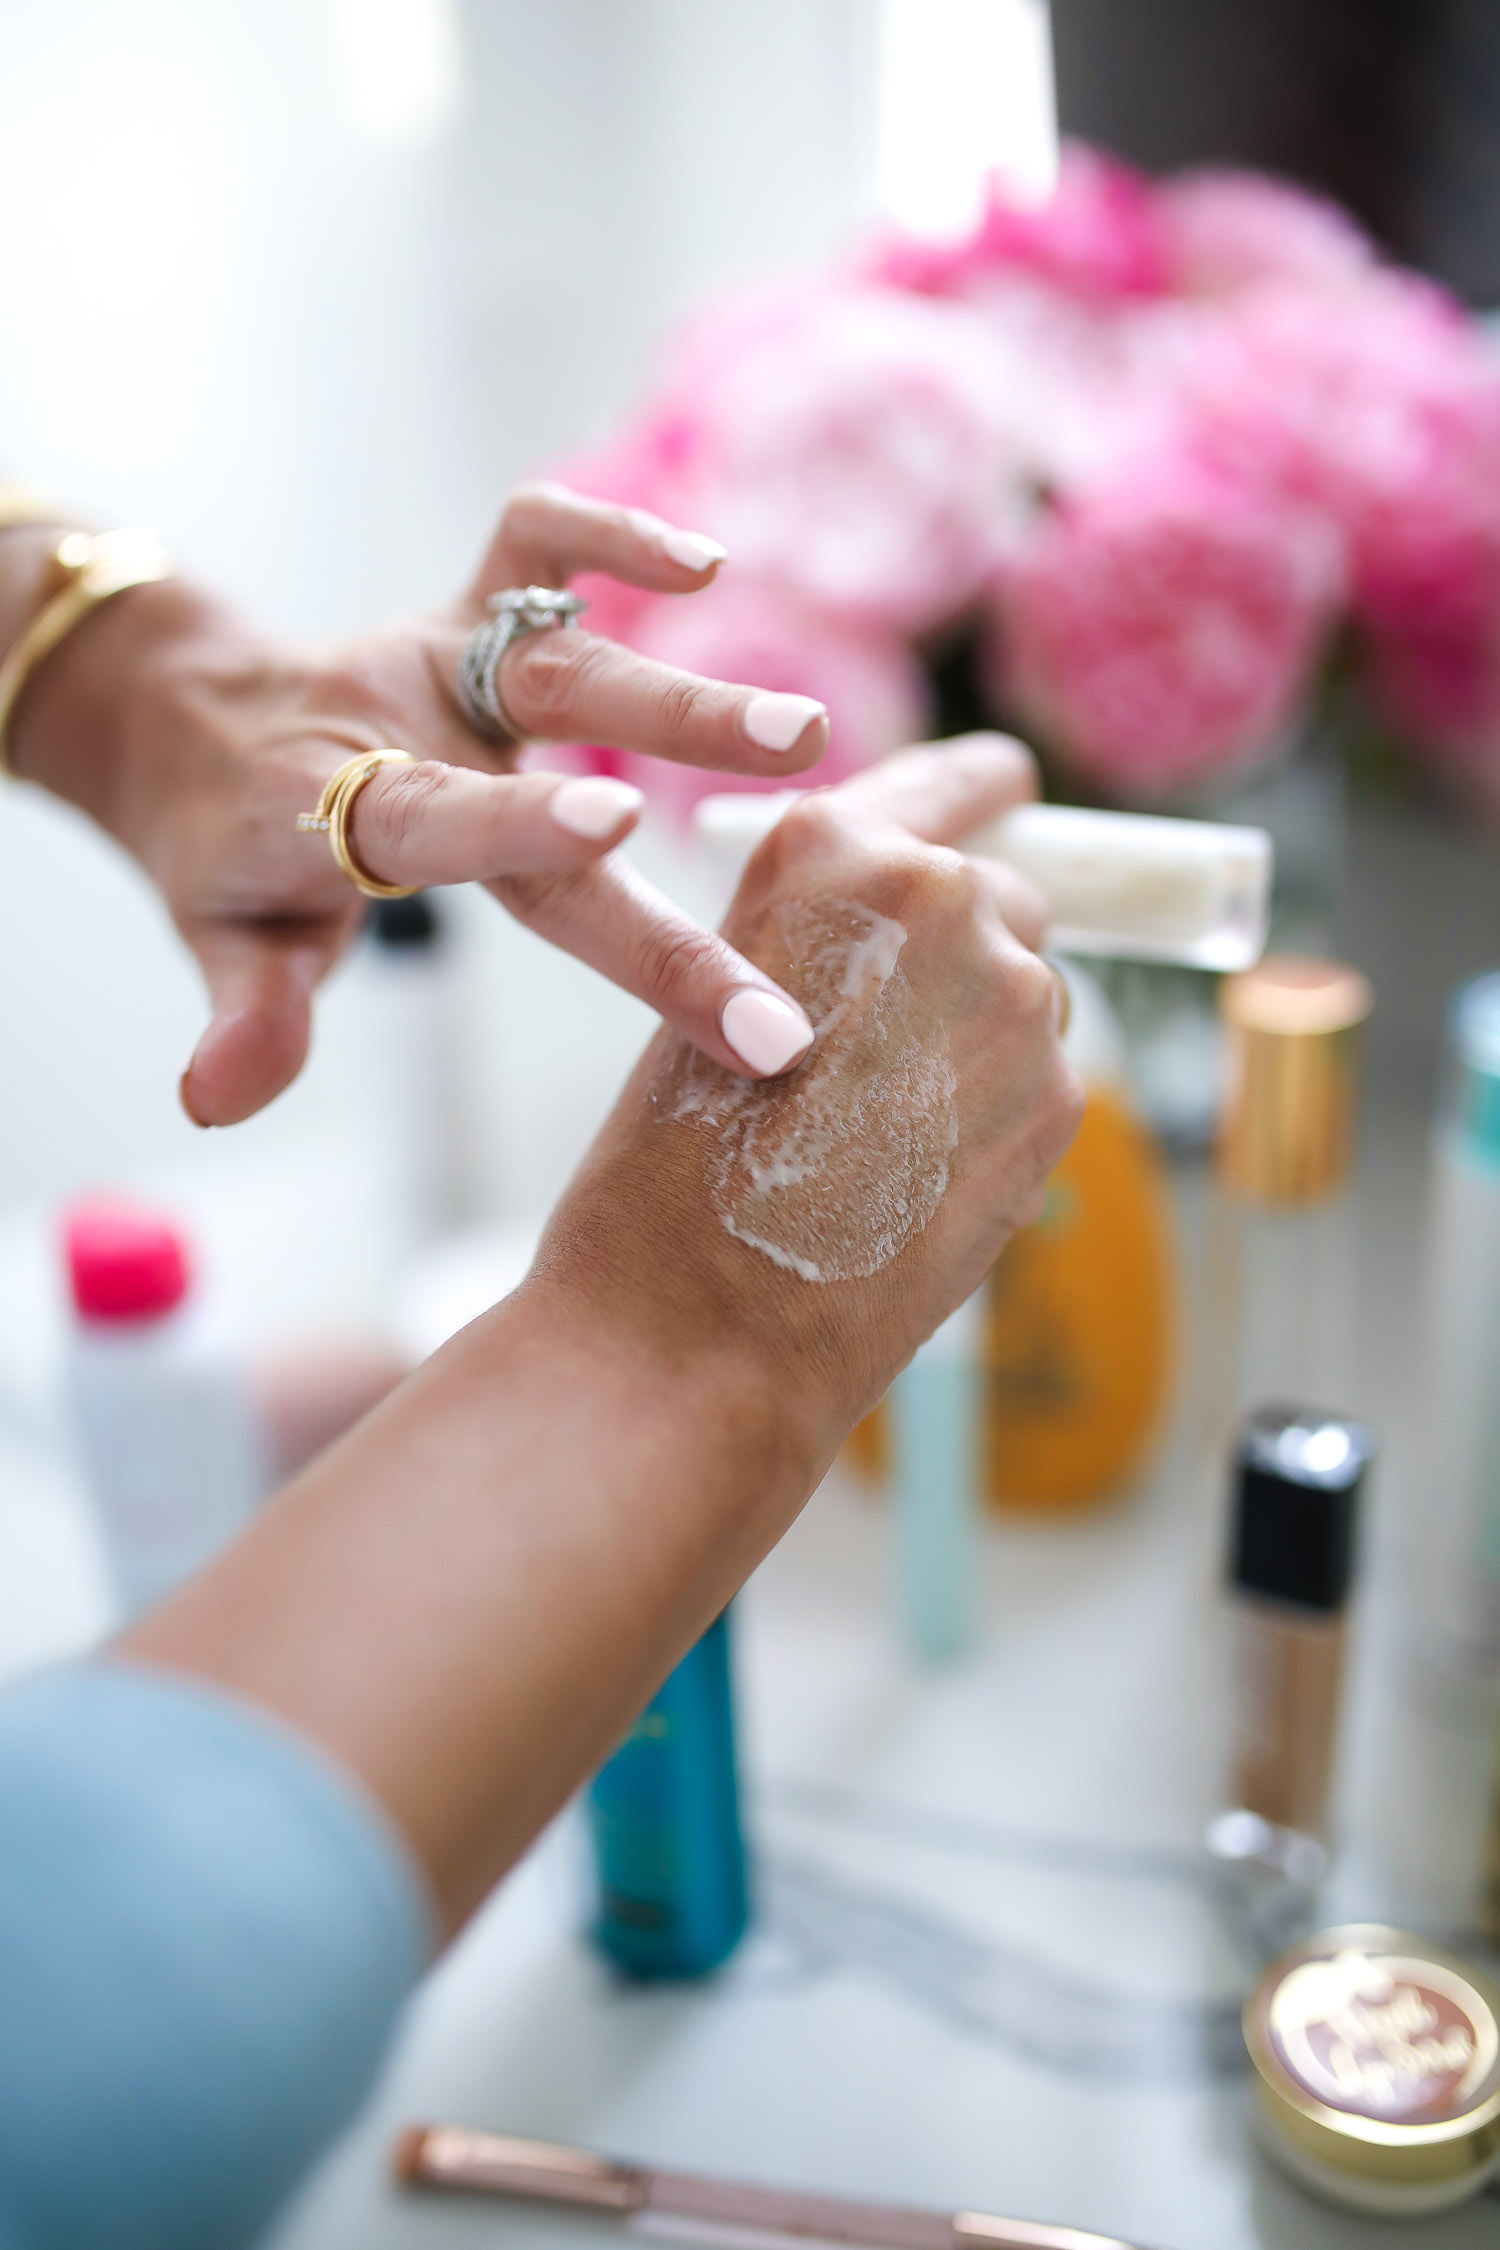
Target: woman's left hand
x,y
196,743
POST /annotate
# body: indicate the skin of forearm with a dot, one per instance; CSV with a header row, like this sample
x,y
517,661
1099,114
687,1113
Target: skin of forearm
x,y
467,1601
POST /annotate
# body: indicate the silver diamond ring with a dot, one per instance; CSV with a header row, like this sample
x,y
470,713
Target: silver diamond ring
x,y
516,612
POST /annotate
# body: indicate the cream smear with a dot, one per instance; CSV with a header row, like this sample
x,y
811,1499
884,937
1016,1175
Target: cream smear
x,y
832,1169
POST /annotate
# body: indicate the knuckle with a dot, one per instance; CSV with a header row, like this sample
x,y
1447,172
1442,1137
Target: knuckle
x,y
541,676
671,961
1029,989
813,828
546,901
813,821
681,700
396,812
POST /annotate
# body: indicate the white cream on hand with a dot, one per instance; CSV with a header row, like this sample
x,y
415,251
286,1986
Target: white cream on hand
x,y
831,1170
1127,884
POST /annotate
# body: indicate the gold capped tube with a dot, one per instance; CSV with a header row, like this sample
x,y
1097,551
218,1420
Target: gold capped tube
x,y
1293,1023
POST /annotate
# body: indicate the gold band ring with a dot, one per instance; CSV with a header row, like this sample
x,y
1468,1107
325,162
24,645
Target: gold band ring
x,y
331,818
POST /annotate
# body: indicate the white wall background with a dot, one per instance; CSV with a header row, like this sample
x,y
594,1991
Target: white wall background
x,y
308,284
317,358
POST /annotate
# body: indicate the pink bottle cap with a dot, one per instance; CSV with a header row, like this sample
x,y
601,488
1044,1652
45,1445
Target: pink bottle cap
x,y
124,1263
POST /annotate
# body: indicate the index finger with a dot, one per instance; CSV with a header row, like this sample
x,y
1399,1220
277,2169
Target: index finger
x,y
548,533
943,792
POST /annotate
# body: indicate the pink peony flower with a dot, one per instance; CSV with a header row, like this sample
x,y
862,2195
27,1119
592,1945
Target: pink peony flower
x,y
760,636
1339,399
845,443
1380,406
1162,627
1084,388
1224,230
1428,596
1096,236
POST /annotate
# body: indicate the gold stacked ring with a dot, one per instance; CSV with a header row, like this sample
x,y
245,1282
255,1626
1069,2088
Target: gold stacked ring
x,y
331,818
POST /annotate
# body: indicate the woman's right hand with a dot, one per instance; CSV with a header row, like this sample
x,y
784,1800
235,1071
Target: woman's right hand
x,y
829,1220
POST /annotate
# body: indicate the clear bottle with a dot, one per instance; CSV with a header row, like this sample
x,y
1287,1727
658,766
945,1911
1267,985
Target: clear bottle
x,y
1458,1559
411,972
157,1402
1283,1247
936,1407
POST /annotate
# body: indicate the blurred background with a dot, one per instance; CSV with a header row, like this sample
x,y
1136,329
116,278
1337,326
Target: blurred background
x,y
310,285
315,286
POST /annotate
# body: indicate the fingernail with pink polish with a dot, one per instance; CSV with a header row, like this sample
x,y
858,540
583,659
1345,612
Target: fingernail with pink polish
x,y
765,1032
594,806
693,549
776,722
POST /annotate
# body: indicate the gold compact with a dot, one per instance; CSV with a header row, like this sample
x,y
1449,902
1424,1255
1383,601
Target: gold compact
x,y
1377,2070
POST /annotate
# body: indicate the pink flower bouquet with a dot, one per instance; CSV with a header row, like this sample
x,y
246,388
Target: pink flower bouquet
x,y
1126,463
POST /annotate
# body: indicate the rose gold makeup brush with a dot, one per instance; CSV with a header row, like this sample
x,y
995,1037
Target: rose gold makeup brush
x,y
681,2206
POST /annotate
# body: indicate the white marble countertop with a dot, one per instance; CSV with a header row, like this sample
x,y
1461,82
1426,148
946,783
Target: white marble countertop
x,y
989,1967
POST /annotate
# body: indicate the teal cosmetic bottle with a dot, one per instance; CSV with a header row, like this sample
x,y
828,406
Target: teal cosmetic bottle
x,y
935,1407
664,1815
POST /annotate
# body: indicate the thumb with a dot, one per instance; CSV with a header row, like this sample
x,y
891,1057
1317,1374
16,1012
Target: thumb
x,y
260,984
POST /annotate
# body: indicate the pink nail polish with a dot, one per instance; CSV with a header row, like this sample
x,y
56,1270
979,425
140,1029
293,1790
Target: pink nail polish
x,y
776,722
694,550
765,1032
594,806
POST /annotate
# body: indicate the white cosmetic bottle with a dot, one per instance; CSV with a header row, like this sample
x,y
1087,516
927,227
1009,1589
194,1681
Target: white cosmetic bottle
x,y
1127,885
156,1402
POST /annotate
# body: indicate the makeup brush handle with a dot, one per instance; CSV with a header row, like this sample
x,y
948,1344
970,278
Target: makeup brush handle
x,y
456,2157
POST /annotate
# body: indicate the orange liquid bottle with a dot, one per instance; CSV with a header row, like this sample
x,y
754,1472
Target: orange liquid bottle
x,y
1079,1346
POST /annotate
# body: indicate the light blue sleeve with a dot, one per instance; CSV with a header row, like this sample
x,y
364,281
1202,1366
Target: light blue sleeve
x,y
206,1934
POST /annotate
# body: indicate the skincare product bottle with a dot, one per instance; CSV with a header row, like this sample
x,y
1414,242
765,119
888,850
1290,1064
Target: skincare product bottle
x,y
1376,2071
1080,1326
157,1401
664,1814
1457,1565
1078,1340
935,1408
1490,1896
1124,884
1283,1247
409,970
1298,1475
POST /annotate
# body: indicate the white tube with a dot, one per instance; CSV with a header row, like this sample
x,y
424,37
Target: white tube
x,y
1128,884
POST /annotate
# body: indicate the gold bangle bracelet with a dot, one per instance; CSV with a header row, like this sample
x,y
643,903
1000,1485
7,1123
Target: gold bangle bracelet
x,y
94,565
19,507
334,807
